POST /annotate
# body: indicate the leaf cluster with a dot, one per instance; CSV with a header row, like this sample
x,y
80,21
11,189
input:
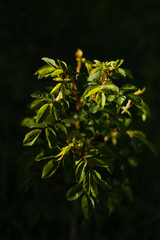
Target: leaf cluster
x,y
83,126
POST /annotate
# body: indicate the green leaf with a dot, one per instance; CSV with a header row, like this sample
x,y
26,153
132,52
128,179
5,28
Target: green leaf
x,y
91,92
49,61
51,137
45,155
31,137
122,72
80,171
57,72
133,161
110,98
128,73
56,87
137,100
39,103
38,125
62,64
74,192
56,110
88,88
86,183
103,100
127,189
27,122
137,145
40,94
126,111
64,151
120,98
58,79
119,62
145,111
87,206
128,87
142,137
50,168
45,71
110,205
96,175
99,162
109,86
98,178
43,113
61,128
95,76
94,188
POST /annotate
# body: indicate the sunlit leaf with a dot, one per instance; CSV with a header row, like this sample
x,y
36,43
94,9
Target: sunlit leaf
x,y
87,206
49,61
43,113
86,183
80,171
74,192
56,87
93,91
57,72
31,137
51,137
50,168
95,75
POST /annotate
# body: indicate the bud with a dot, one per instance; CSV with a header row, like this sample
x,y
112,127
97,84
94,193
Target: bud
x,y
79,53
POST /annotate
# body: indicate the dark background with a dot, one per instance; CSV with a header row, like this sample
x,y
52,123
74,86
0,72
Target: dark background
x,y
31,208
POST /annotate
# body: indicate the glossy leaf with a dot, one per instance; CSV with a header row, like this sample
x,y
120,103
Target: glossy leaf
x,y
45,71
94,188
95,76
64,151
31,137
57,72
51,137
60,127
128,87
62,64
74,192
40,95
119,62
49,61
108,86
50,168
122,72
93,91
43,113
44,155
99,162
80,171
135,99
56,87
99,179
87,183
87,206
142,137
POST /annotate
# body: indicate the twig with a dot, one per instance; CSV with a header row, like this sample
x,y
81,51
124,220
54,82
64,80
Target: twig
x,y
73,229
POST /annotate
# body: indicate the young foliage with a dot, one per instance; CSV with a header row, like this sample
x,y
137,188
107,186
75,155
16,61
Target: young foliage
x,y
84,125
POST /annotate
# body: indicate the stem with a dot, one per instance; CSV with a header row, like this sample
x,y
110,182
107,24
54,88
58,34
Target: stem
x,y
85,159
73,93
119,108
73,229
129,104
101,79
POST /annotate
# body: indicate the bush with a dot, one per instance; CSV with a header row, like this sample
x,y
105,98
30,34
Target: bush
x,y
83,129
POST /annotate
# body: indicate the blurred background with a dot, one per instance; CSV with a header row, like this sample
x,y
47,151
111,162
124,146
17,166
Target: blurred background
x,y
105,30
